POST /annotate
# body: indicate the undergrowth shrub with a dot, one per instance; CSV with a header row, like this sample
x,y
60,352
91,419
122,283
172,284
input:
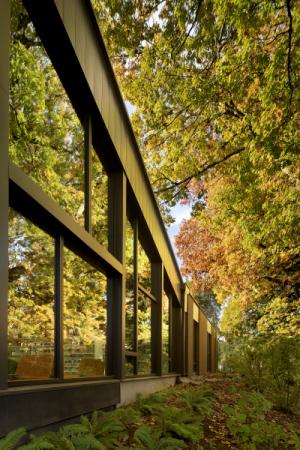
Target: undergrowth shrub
x,y
270,364
247,423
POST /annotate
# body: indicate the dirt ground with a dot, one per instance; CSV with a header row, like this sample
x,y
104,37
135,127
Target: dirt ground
x,y
226,389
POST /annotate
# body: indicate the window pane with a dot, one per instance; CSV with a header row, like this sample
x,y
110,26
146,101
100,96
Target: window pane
x,y
30,301
84,318
144,334
46,137
130,310
144,268
129,365
166,333
99,201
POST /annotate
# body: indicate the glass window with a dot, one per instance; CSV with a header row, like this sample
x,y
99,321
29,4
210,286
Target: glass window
x,y
99,192
144,268
85,318
30,301
46,136
166,333
144,334
130,365
130,307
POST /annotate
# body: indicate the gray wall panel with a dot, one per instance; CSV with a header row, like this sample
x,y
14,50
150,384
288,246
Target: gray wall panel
x,y
35,408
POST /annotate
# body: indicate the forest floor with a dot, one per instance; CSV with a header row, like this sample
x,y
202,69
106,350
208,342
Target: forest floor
x,y
227,390
215,412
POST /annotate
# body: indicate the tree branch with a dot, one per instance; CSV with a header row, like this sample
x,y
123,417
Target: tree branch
x,y
289,57
180,45
200,172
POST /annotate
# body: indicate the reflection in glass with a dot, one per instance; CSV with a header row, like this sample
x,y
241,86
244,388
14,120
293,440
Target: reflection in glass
x,y
144,268
30,300
166,333
84,318
46,137
144,334
99,201
130,309
129,365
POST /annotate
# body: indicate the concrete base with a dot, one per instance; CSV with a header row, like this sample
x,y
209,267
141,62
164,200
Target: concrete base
x,y
131,387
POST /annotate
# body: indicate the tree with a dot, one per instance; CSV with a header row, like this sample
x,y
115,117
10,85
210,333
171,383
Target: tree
x,y
217,118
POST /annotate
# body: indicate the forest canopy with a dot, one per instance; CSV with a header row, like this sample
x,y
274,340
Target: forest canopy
x,y
215,85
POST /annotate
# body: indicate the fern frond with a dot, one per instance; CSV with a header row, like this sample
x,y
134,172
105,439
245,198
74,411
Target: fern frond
x,y
59,441
188,432
127,416
151,404
86,423
12,438
147,436
37,443
87,442
73,429
200,401
169,443
94,419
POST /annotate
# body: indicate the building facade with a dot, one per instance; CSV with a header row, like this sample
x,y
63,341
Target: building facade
x,y
93,308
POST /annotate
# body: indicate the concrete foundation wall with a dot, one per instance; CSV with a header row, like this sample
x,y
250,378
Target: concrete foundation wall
x,y
129,389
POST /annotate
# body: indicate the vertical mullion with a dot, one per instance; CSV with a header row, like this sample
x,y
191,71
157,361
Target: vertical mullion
x,y
183,331
170,348
4,133
88,174
135,289
157,284
190,350
199,342
171,364
59,308
116,283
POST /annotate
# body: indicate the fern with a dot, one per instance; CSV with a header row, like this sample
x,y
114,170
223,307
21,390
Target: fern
x,y
147,436
74,429
12,438
182,424
151,404
87,442
188,432
200,401
49,440
84,420
59,441
169,443
152,439
106,428
37,443
127,416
